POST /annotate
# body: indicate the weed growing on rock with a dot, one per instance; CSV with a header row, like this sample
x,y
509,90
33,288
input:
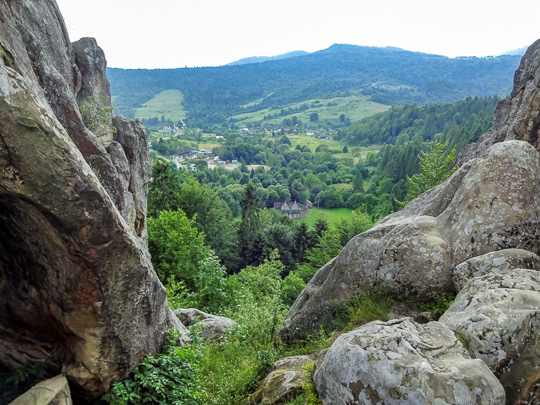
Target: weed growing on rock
x,y
438,306
367,307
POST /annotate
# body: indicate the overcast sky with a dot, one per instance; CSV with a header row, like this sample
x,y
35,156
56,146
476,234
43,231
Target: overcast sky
x,y
178,33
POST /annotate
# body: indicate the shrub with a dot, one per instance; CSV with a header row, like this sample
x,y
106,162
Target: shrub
x,y
169,378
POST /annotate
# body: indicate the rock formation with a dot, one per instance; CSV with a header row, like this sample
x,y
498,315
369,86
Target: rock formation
x,y
491,203
498,316
399,362
78,293
412,253
476,234
284,382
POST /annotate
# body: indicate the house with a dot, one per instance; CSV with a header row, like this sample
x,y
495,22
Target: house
x,y
325,137
292,209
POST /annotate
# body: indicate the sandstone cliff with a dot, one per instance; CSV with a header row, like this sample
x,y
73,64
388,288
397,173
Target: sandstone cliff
x,y
78,293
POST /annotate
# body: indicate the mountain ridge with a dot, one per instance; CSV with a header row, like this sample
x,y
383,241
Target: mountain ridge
x,y
212,95
262,59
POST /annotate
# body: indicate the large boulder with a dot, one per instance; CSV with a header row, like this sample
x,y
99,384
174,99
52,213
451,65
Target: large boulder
x,y
401,362
412,253
497,315
78,293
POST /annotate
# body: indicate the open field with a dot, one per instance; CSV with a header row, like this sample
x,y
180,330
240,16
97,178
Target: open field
x,y
312,142
259,101
208,146
167,103
354,107
331,215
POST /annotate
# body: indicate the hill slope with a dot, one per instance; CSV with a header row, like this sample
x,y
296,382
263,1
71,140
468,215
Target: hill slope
x,y
387,75
260,59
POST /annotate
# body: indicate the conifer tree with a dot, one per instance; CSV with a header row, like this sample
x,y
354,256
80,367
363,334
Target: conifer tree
x,y
249,227
435,167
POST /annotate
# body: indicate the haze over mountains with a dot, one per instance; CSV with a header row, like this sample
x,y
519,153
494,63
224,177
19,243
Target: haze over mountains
x,y
214,95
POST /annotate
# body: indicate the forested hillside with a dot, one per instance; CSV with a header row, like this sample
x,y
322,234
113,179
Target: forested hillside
x,y
212,95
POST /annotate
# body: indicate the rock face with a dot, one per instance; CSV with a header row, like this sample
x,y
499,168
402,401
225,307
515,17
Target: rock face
x,y
212,326
518,116
54,391
401,362
498,315
78,293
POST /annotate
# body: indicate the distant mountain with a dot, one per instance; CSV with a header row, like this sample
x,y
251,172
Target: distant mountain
x,y
213,95
260,59
519,51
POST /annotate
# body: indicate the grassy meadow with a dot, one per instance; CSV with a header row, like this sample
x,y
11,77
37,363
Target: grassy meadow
x,y
355,107
331,215
167,103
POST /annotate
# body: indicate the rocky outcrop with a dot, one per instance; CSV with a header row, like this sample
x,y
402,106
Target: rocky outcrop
x,y
54,391
499,261
95,88
401,362
284,382
78,293
477,233
212,327
498,316
129,153
412,254
518,116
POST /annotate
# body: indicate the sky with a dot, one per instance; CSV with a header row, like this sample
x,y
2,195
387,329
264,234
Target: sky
x,y
179,33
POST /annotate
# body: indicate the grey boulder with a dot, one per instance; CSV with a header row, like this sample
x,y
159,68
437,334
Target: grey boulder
x,y
498,316
401,362
212,326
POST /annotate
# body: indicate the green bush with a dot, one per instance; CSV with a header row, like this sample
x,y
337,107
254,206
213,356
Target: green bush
x,y
233,368
170,378
291,287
